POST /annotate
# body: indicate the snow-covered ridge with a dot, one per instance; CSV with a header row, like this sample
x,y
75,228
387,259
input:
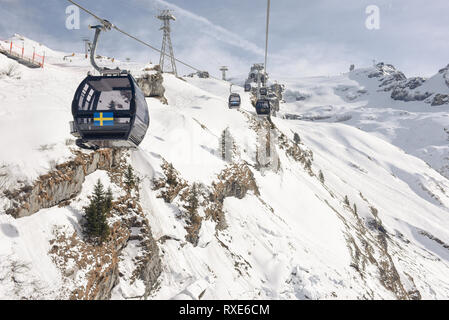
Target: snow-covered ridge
x,y
381,100
434,90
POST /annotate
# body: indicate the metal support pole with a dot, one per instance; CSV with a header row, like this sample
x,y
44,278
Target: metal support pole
x,y
266,39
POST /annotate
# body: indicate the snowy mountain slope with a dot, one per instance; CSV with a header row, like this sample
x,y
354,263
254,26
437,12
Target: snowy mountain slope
x,y
360,100
355,163
376,226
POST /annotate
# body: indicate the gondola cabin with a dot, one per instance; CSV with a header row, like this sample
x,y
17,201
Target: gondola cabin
x,y
247,87
109,111
234,101
263,107
263,91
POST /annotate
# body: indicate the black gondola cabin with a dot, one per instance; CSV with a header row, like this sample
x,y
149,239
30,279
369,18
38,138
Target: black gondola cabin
x,y
234,101
263,107
110,111
247,87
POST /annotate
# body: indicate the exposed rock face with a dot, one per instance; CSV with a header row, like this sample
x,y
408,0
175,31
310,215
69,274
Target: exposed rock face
x,y
402,94
200,74
173,189
253,73
403,89
151,83
275,95
150,266
62,184
414,83
91,271
440,99
96,268
235,181
387,74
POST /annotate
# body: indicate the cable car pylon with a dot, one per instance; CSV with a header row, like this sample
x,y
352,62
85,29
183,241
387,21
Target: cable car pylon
x,y
167,48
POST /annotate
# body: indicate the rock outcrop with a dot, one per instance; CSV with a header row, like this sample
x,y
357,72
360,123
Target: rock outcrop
x,y
403,89
92,271
61,184
151,83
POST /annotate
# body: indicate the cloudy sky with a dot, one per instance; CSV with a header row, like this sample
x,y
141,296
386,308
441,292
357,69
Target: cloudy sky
x,y
320,37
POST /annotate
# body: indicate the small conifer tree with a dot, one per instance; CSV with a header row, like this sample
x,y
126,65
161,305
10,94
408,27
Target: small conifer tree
x,y
193,200
130,179
108,200
346,200
96,213
171,175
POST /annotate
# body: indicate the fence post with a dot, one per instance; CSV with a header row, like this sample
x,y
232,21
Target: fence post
x,y
10,48
34,53
43,60
23,50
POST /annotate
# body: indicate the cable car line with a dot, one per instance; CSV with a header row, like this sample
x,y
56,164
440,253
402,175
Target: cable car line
x,y
108,26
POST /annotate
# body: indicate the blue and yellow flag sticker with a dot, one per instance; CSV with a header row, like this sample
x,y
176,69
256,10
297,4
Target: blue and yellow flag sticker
x,y
103,119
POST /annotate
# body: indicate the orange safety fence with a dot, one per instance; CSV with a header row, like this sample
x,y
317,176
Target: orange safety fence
x,y
19,52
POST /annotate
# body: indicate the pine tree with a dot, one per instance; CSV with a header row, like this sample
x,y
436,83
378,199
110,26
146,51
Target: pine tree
x,y
171,175
347,200
355,208
96,213
193,201
130,180
296,138
321,176
108,200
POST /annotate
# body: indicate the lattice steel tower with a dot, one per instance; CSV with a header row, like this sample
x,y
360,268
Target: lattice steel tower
x,y
167,65
223,72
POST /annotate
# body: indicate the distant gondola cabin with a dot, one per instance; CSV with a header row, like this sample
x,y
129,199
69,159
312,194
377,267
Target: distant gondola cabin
x,y
234,100
263,107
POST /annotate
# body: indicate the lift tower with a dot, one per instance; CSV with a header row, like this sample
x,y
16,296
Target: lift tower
x,y
223,72
167,48
86,46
